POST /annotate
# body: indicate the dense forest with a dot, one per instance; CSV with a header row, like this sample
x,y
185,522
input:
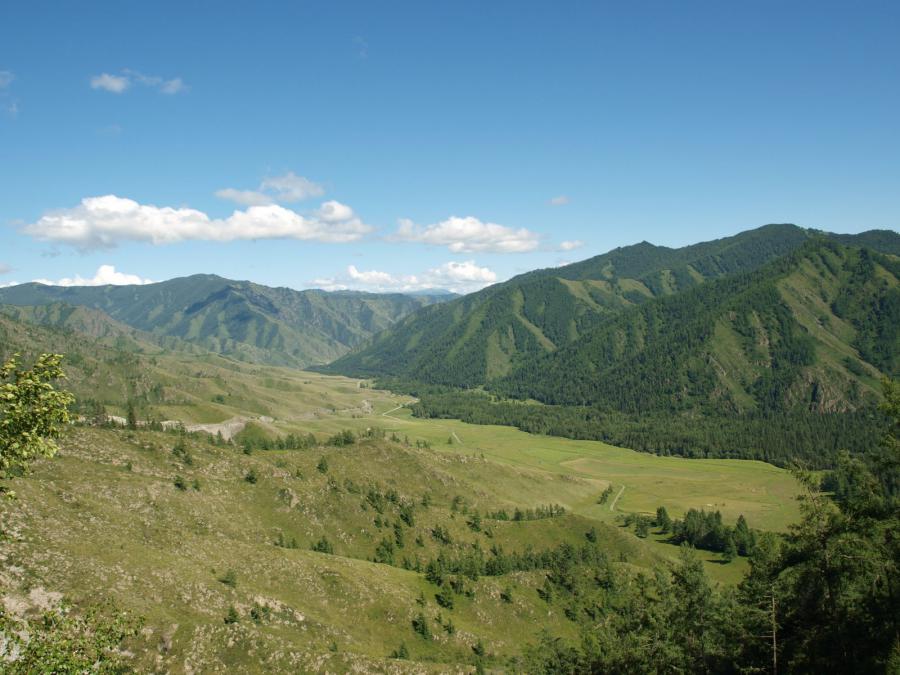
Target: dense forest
x,y
822,599
779,438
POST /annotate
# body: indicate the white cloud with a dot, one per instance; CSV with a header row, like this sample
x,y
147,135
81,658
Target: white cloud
x,y
288,187
291,187
459,277
173,86
116,84
571,245
6,78
244,197
469,235
104,222
8,284
560,200
4,268
105,275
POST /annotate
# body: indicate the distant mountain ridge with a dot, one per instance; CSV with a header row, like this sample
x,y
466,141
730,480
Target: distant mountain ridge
x,y
486,335
279,326
580,334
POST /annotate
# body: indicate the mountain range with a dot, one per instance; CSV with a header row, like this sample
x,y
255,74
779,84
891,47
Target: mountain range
x,y
775,318
249,321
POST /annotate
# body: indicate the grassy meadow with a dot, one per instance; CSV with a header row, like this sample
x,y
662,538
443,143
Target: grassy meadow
x,y
120,515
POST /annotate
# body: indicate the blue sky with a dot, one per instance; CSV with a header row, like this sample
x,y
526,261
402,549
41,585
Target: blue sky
x,y
404,145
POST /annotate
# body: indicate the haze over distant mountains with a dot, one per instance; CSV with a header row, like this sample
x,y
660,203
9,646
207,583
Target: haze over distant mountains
x,y
278,326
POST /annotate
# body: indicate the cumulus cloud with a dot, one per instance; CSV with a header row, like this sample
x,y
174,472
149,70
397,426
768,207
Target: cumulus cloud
x,y
106,275
118,84
459,277
560,200
288,187
104,222
570,245
469,235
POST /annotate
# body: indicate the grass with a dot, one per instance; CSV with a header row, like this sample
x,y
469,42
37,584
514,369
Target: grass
x,y
105,520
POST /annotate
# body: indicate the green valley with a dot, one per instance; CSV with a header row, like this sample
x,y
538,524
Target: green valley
x,y
231,512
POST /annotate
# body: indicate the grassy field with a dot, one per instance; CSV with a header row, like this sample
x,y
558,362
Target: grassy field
x,y
764,494
301,402
106,519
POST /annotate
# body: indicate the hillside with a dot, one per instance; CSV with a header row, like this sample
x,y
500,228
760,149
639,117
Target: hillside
x,y
339,534
813,331
107,520
492,334
238,318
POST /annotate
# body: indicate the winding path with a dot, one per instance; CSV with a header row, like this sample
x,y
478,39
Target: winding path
x,y
387,413
612,507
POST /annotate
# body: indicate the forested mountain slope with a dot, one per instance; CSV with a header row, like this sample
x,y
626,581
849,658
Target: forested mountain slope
x,y
239,318
815,330
492,334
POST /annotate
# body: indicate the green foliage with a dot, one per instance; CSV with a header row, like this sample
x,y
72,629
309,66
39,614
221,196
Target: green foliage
x,y
384,552
400,653
605,495
823,599
251,477
444,597
322,465
66,641
323,546
706,530
130,415
420,627
232,616
260,613
229,578
664,522
283,542
342,438
32,412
